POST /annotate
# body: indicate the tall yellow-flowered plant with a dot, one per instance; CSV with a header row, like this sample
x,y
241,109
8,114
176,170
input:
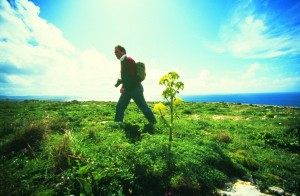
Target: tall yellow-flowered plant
x,y
170,81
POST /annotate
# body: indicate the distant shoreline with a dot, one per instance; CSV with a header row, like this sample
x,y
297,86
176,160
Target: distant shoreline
x,y
289,99
40,98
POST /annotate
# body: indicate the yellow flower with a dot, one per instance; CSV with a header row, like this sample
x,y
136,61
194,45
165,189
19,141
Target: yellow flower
x,y
160,108
178,101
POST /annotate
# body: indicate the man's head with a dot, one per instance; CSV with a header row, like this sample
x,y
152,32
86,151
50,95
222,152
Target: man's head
x,y
119,51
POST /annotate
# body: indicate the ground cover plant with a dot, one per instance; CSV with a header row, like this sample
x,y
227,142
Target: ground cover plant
x,y
64,148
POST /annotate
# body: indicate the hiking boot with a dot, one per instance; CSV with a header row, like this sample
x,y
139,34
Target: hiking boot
x,y
149,128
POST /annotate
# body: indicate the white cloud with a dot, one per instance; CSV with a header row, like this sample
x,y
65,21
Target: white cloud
x,y
292,83
252,40
54,66
249,80
253,34
250,36
251,71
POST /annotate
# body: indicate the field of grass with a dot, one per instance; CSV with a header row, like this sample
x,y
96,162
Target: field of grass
x,y
64,148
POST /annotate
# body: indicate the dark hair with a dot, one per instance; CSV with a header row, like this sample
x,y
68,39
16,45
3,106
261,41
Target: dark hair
x,y
121,48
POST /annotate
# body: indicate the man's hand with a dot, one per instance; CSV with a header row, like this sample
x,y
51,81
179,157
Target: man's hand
x,y
122,90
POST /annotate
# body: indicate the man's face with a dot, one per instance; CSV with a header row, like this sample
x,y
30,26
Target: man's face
x,y
118,53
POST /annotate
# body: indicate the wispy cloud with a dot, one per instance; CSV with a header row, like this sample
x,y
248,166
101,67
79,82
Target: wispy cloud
x,y
254,77
251,72
253,32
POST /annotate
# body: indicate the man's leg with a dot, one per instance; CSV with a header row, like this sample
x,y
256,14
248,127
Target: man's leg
x,y
139,99
121,106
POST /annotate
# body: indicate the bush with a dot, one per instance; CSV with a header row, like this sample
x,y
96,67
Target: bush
x,y
244,159
224,137
26,137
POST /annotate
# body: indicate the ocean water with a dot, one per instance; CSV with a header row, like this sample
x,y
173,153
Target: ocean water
x,y
278,99
41,98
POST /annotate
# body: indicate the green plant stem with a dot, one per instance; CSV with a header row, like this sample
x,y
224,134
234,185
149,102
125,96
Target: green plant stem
x,y
172,117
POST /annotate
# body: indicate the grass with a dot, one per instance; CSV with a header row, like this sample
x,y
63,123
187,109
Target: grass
x,y
64,148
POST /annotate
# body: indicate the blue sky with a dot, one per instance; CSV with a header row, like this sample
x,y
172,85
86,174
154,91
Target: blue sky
x,y
54,47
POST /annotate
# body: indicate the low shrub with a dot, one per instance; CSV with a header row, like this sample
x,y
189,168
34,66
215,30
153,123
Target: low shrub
x,y
29,136
224,137
245,160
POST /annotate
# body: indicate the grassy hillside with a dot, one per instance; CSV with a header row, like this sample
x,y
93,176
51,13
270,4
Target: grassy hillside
x,y
62,148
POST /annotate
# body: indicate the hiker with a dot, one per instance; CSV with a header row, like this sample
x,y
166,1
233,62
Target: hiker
x,y
131,88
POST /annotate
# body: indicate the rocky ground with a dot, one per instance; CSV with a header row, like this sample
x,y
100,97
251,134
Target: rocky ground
x,y
246,188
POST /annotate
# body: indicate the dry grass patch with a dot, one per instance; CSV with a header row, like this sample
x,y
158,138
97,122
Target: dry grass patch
x,y
235,118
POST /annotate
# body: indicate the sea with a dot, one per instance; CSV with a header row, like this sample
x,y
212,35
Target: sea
x,y
291,99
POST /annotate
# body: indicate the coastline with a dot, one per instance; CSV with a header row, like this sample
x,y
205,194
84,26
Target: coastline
x,y
287,99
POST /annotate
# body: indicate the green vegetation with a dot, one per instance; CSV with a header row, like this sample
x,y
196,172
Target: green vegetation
x,y
63,148
172,89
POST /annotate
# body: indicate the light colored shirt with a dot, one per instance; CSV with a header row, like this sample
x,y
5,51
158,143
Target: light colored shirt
x,y
123,57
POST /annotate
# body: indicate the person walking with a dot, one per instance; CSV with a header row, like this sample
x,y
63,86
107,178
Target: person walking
x,y
131,88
